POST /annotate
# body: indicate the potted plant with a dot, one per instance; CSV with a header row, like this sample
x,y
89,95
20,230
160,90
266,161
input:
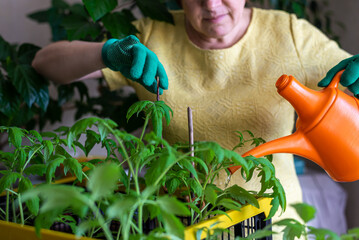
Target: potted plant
x,y
171,188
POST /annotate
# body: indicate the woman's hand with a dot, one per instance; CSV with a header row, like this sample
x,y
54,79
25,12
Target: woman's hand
x,y
135,61
350,76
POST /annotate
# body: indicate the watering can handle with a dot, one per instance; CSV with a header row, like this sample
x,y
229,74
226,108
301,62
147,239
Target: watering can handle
x,y
336,79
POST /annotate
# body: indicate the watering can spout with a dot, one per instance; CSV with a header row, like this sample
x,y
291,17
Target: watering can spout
x,y
308,104
293,144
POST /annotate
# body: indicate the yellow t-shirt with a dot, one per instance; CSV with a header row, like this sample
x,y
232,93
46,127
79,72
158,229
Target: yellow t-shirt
x,y
234,89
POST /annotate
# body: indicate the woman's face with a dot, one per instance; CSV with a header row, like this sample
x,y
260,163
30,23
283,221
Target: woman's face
x,y
213,18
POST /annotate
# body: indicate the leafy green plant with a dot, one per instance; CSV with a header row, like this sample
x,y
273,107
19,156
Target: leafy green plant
x,y
24,94
171,188
294,229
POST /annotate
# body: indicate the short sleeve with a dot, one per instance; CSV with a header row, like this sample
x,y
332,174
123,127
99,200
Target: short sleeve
x,y
115,80
317,53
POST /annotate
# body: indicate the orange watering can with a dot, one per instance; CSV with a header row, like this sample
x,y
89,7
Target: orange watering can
x,y
327,129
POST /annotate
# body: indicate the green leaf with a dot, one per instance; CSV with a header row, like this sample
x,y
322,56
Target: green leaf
x,y
99,8
60,4
229,204
48,149
41,16
8,179
275,205
86,226
195,186
159,167
52,166
59,197
33,203
24,83
172,206
79,28
20,157
5,49
78,9
36,134
210,195
105,126
155,10
243,196
9,99
156,119
122,206
46,220
137,107
26,53
103,180
188,165
322,233
259,234
74,166
92,138
42,98
293,229
78,128
201,163
172,185
123,177
354,231
36,170
305,211
280,193
119,24
173,225
15,136
237,160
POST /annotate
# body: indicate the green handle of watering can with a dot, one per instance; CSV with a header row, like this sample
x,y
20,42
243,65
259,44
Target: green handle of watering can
x,y
350,76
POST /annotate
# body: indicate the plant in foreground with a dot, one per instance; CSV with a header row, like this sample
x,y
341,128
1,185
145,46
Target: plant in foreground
x,y
115,191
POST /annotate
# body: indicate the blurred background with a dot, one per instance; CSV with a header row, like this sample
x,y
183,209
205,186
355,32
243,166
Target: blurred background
x,y
336,203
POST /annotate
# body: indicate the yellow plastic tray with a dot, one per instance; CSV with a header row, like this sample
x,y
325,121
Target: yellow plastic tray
x,y
224,222
14,231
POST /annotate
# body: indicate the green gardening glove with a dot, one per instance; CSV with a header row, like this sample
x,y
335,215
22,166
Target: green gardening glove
x,y
350,76
135,62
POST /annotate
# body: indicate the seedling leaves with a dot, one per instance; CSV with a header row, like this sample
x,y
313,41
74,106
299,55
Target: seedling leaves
x,y
103,180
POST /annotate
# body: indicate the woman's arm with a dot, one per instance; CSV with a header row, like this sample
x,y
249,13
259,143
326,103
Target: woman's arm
x,y
64,62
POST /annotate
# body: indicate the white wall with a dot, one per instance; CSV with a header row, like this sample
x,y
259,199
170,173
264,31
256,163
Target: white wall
x,y
15,27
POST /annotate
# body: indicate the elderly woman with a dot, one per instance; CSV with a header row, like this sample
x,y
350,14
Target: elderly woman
x,y
222,60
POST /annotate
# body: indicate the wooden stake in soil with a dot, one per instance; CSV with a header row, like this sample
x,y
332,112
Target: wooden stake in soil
x,y
190,131
191,141
158,94
158,88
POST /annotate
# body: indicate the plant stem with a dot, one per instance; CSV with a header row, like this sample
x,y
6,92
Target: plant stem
x,y
29,159
118,233
144,127
13,210
102,221
140,217
21,210
127,159
2,211
96,216
7,206
166,170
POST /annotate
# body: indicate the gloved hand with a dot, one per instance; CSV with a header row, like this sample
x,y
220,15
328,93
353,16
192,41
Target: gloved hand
x,y
350,76
135,61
